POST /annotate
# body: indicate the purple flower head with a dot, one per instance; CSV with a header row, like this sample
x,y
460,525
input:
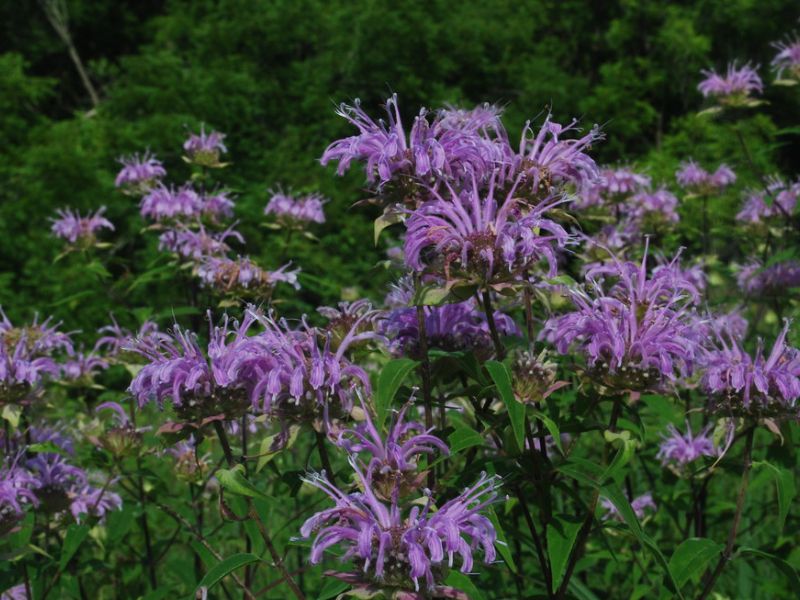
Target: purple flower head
x,y
450,327
16,492
722,177
471,235
787,58
636,332
74,228
754,384
82,367
640,505
56,478
217,206
139,173
756,279
430,150
116,339
93,502
735,87
301,376
205,148
484,119
692,176
652,210
36,339
197,244
18,592
346,315
296,212
403,552
778,201
546,160
680,449
393,459
167,204
242,276
622,181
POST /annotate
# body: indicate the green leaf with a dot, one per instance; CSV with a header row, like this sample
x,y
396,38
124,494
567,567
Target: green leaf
x,y
202,552
45,448
561,535
502,545
332,588
460,581
552,428
389,381
501,375
387,219
785,486
265,452
226,567
462,438
627,446
618,499
430,295
75,536
12,413
783,566
234,481
691,558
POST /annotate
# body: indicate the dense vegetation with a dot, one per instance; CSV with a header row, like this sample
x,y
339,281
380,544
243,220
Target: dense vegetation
x,y
176,438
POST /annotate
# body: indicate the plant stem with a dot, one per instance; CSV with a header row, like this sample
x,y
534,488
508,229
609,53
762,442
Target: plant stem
x,y
325,458
253,514
727,553
425,369
276,558
226,446
586,527
487,308
148,544
537,542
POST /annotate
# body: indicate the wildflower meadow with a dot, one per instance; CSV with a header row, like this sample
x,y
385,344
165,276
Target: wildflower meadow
x,y
452,353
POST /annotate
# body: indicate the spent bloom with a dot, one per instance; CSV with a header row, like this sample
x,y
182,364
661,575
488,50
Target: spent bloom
x,y
139,173
242,276
734,87
637,333
398,550
472,233
74,228
205,148
787,58
296,212
680,449
753,384
431,149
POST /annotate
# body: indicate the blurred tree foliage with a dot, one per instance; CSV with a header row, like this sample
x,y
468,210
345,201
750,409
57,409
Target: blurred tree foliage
x,y
269,73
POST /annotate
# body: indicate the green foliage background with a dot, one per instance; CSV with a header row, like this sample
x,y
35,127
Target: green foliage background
x,y
270,73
